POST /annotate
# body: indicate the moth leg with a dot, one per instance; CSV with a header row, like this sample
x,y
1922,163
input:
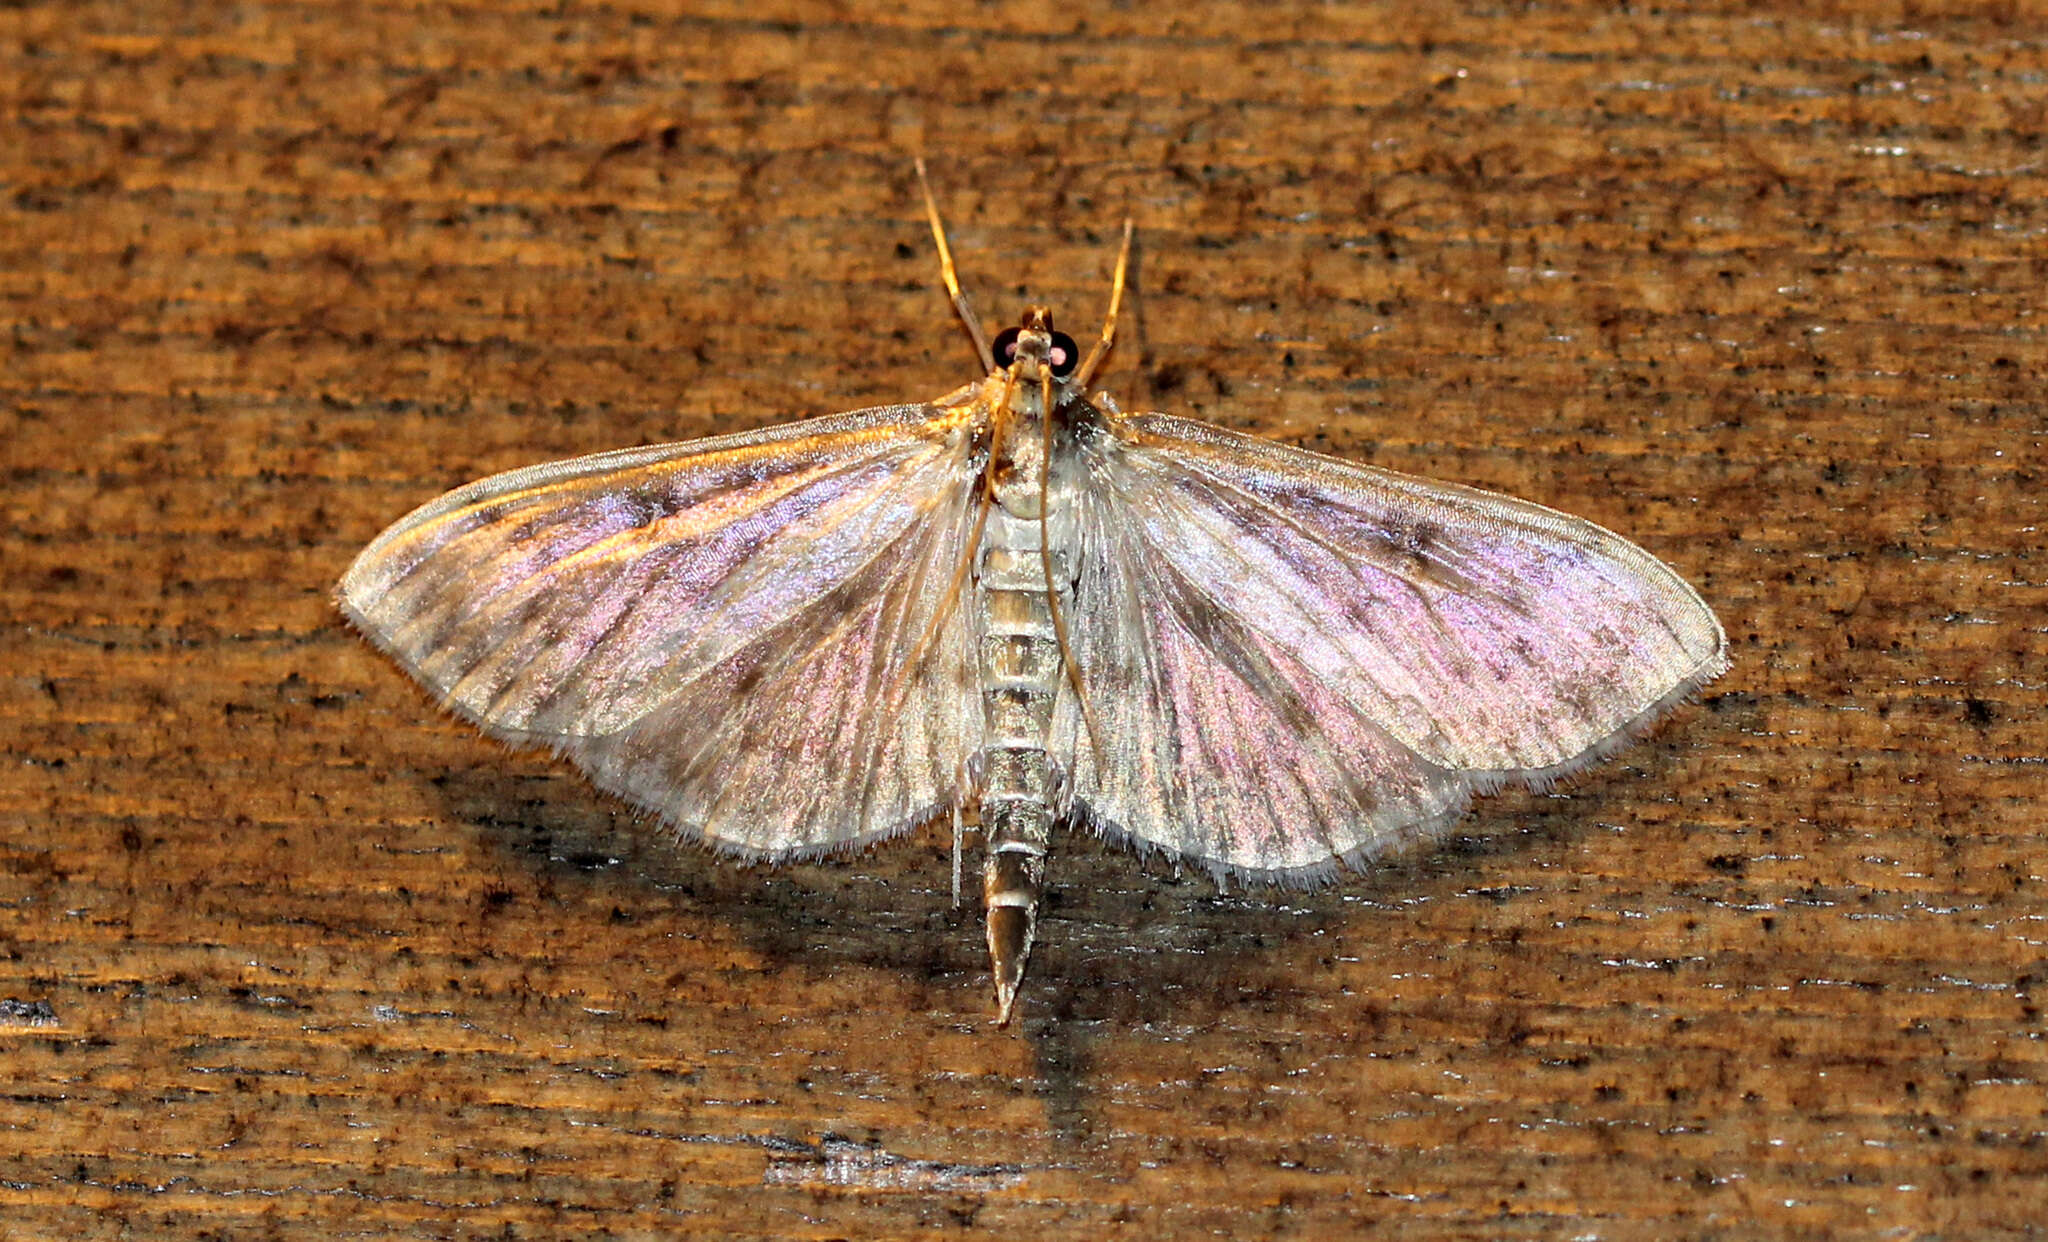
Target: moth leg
x,y
952,279
951,601
957,833
1116,302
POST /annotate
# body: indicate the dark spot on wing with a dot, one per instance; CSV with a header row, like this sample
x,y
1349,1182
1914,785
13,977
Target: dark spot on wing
x,y
749,677
528,529
1516,602
1392,550
643,509
1420,538
1300,720
1416,543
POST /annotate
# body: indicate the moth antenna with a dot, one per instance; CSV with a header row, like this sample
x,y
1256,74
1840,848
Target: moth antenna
x,y
1052,595
952,279
1116,302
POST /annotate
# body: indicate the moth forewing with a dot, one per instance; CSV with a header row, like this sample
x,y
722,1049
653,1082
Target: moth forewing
x,y
686,622
1331,659
1481,631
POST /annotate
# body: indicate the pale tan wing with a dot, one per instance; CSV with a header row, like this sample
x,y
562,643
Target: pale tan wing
x,y
722,631
1357,648
1215,743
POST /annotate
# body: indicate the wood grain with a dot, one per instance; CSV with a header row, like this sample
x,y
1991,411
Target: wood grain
x,y
288,954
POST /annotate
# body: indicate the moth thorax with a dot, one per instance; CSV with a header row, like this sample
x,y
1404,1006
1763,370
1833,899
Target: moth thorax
x,y
1015,469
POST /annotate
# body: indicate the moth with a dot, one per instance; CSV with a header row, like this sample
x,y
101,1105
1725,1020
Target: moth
x,y
1021,608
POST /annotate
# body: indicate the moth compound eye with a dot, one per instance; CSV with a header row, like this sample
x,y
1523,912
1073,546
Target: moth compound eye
x,y
1005,347
1065,356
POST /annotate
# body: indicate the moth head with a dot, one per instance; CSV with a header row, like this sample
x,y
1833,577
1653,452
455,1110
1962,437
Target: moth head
x,y
1034,343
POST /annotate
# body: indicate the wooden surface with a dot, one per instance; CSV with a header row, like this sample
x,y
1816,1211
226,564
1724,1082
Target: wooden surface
x,y
289,954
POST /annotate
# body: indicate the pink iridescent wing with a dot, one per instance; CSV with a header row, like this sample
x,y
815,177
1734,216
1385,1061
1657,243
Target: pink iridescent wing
x,y
1295,661
742,634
